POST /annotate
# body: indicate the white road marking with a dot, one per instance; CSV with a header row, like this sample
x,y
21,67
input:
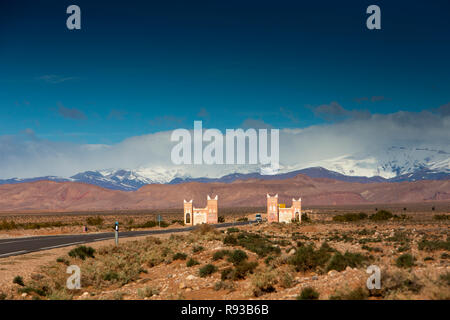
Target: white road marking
x,y
13,253
103,239
61,245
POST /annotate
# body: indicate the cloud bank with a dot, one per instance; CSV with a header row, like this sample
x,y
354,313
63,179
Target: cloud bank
x,y
348,132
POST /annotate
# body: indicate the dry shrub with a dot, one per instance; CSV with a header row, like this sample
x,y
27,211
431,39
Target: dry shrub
x,y
204,232
286,280
399,284
264,282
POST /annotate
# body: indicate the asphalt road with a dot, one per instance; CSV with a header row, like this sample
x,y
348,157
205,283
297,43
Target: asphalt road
x,y
17,246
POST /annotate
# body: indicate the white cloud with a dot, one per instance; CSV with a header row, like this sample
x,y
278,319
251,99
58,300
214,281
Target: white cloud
x,y
29,156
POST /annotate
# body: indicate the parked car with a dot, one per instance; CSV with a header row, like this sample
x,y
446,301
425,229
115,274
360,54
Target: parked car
x,y
258,218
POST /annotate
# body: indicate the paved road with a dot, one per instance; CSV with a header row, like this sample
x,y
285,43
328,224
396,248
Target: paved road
x,y
16,246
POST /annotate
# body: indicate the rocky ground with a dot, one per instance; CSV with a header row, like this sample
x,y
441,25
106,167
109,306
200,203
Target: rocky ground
x,y
276,261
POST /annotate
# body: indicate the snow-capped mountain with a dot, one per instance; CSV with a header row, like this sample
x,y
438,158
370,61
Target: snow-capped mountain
x,y
390,163
113,179
394,164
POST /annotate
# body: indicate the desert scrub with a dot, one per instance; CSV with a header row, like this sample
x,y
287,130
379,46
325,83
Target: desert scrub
x,y
237,256
263,282
82,252
308,293
60,295
441,217
307,258
230,240
5,225
298,236
119,265
349,217
243,269
305,217
8,225
179,256
399,282
63,260
224,285
286,280
368,240
433,245
118,295
232,230
406,260
197,249
35,288
400,237
94,221
18,280
381,215
403,248
282,242
356,294
371,249
445,278
111,276
191,262
218,255
113,266
341,261
2,295
204,232
147,292
257,244
147,224
365,232
207,270
239,271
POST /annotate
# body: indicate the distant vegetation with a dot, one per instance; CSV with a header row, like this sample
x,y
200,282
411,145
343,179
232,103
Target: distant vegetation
x,y
94,221
381,215
350,217
11,225
150,224
433,245
441,217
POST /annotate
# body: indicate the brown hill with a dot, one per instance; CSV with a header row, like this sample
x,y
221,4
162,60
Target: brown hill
x,y
73,196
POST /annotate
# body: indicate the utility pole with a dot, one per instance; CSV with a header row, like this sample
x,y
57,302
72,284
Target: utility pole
x,y
116,231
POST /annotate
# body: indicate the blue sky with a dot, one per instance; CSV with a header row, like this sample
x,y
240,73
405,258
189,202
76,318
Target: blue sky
x,y
108,95
140,67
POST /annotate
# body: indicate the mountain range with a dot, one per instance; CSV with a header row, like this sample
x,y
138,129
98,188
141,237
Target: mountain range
x,y
393,164
74,196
